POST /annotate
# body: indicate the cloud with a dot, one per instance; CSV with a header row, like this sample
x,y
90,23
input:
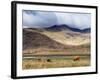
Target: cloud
x,y
41,19
77,20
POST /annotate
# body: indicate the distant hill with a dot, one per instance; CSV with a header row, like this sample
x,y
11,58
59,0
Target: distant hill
x,y
45,42
64,35
63,26
32,40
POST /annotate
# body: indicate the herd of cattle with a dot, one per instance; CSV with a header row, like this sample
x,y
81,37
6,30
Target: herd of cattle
x,y
76,58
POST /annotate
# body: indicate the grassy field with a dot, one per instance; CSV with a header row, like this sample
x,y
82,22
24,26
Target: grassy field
x,y
71,51
46,62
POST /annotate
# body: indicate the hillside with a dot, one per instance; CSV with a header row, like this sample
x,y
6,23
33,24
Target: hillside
x,y
38,43
65,35
57,28
32,40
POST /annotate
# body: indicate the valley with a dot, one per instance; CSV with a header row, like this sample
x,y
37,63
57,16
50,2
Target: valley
x,y
43,48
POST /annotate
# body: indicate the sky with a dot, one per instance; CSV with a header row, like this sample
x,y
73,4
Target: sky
x,y
45,19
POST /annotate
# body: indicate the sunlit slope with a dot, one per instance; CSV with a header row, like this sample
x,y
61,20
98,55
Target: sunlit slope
x,y
66,36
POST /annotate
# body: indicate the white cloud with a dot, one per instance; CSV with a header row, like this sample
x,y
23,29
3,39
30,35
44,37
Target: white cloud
x,y
76,20
38,19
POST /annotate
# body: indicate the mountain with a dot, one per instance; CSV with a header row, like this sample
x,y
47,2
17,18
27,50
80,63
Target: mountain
x,y
63,26
65,35
32,40
42,42
88,30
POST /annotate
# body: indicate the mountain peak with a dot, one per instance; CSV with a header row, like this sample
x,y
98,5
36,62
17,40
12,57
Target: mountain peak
x,y
64,27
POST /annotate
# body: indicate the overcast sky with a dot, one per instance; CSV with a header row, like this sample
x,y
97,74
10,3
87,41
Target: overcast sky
x,y
44,19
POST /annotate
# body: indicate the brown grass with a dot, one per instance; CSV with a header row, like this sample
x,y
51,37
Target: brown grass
x,y
35,64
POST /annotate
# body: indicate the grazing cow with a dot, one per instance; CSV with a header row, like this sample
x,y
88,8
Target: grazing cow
x,y
48,60
76,58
